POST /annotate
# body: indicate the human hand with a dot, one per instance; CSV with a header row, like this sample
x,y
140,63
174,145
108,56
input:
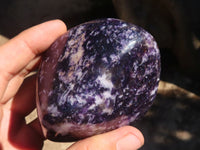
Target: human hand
x,y
20,56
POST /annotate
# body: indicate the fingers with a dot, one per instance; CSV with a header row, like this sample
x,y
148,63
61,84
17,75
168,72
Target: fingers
x,y
124,138
19,51
16,81
16,54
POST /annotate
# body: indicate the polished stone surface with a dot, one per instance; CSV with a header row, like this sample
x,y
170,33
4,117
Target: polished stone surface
x,y
99,76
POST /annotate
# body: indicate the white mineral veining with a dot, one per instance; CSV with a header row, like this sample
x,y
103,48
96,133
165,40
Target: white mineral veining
x,y
114,58
53,109
81,101
132,119
128,47
107,110
144,58
76,56
141,89
105,82
78,130
98,100
153,92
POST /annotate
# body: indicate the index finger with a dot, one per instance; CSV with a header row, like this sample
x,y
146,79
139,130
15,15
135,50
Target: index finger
x,y
19,51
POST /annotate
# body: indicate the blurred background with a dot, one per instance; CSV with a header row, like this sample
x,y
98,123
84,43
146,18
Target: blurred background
x,y
173,121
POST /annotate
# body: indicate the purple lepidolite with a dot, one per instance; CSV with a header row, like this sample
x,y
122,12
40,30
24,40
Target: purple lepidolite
x,y
97,77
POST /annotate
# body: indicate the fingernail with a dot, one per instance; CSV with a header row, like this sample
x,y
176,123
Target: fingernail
x,y
129,142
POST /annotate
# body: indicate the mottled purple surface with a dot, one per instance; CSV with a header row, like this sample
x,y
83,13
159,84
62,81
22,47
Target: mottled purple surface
x,y
99,76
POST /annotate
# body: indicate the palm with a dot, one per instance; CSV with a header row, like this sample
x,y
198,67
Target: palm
x,y
13,126
18,57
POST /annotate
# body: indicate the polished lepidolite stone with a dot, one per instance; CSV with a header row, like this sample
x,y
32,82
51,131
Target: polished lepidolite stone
x,y
97,77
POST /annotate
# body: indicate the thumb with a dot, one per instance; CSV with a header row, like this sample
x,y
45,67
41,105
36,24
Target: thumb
x,y
124,138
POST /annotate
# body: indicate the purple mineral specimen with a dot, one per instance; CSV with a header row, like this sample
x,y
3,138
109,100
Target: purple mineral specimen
x,y
97,77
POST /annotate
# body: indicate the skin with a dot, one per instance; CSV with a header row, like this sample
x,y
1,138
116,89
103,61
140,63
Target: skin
x,y
20,56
